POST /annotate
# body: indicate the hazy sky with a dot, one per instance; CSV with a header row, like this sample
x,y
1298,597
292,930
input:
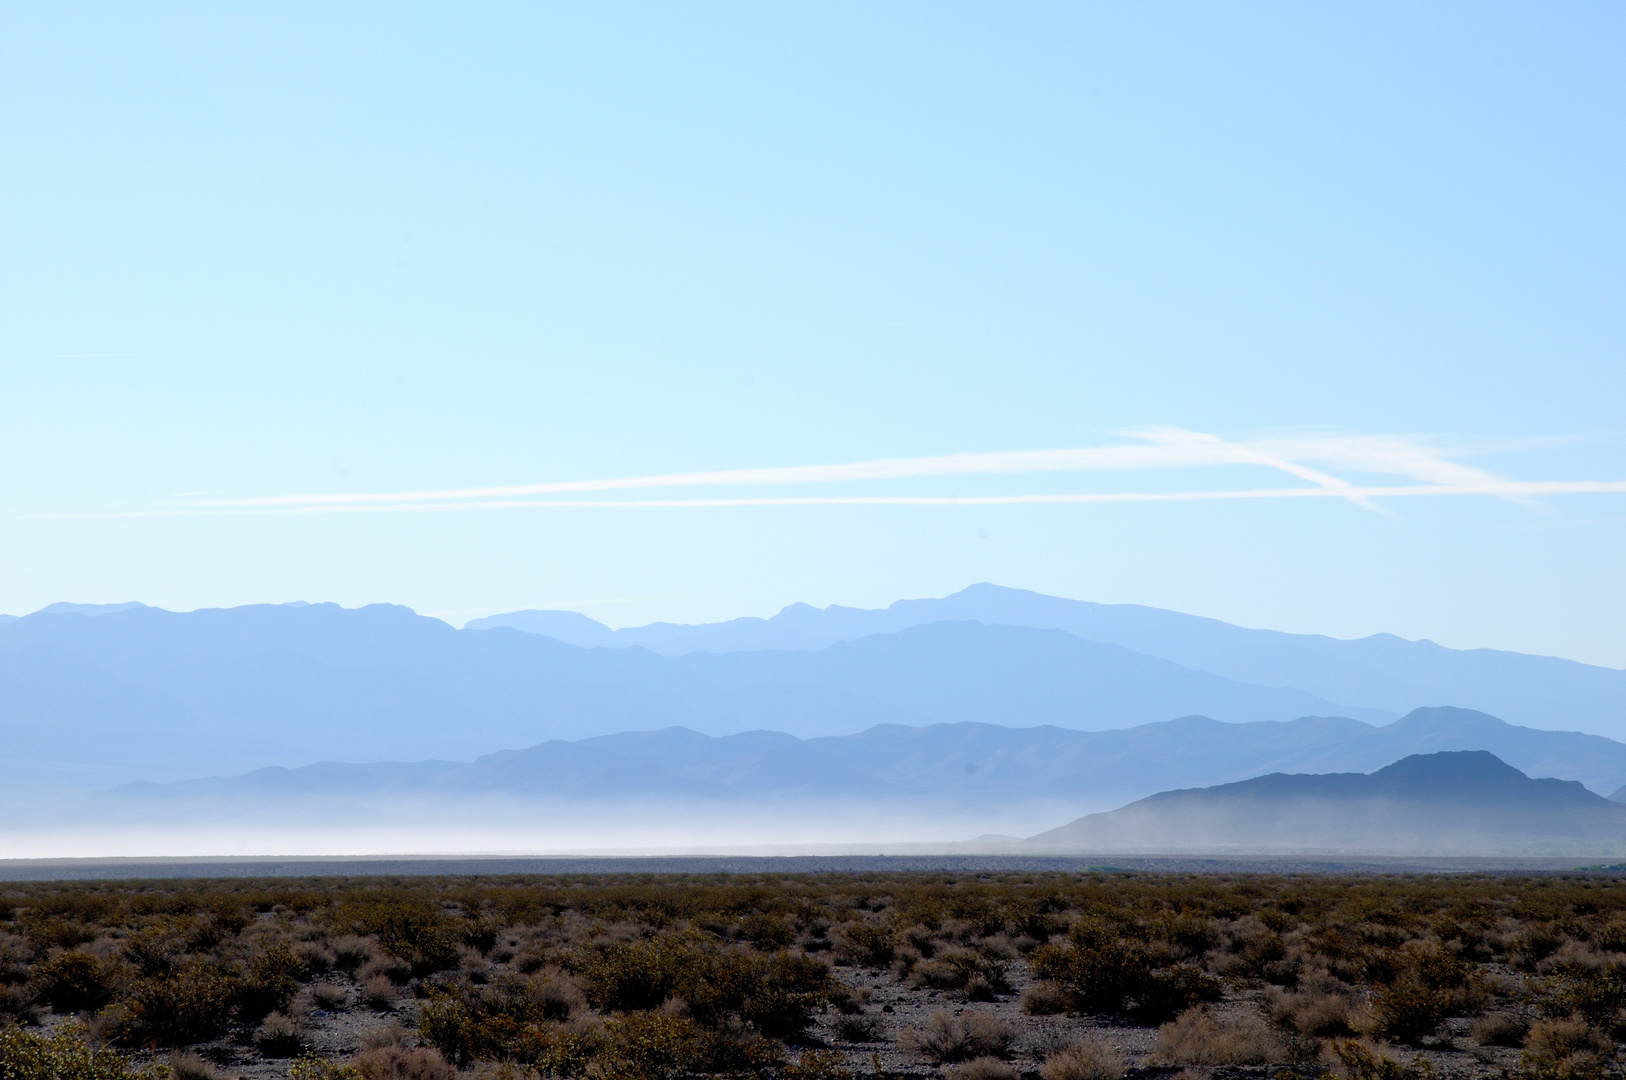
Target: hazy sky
x,y
302,251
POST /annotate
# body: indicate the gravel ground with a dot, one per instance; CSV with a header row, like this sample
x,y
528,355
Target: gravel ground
x,y
891,1006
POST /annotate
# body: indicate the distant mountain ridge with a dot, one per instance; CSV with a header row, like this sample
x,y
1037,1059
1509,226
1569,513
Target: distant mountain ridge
x,y
150,694
933,783
1456,802
1382,673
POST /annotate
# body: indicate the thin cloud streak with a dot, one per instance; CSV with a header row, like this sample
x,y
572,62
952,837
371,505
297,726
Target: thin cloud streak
x,y
1159,448
1502,488
1156,448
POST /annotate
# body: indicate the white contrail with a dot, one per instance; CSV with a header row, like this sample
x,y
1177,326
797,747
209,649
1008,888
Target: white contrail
x,y
1502,488
1156,448
1160,448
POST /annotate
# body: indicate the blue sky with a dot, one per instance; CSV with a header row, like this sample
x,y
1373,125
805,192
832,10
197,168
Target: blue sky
x,y
290,252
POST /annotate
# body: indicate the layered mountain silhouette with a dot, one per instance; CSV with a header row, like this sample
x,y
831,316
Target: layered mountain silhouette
x,y
150,694
1382,672
1458,802
891,782
95,695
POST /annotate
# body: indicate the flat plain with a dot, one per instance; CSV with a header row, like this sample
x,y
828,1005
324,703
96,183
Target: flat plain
x,y
974,974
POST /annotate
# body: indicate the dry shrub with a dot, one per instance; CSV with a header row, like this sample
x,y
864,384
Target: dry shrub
x,y
1563,1049
1197,1037
1092,1058
328,996
979,977
352,952
1499,1029
815,1065
558,995
1313,1012
1410,1008
856,1028
389,1033
946,1037
279,1036
393,968
1046,999
403,1063
314,957
379,993
1560,1038
189,1066
983,1068
17,1004
473,964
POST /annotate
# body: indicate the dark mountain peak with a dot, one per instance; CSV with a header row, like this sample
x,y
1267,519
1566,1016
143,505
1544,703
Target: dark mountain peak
x,y
1449,767
1454,800
1476,776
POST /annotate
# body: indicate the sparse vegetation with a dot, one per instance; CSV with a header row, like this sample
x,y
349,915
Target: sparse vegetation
x,y
813,978
947,1037
1092,1058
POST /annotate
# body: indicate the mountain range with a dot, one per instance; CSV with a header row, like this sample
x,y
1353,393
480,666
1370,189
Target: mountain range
x,y
149,694
936,783
1380,673
992,710
93,696
1456,803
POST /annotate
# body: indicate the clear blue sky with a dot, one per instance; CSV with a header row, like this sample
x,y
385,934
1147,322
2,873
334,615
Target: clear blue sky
x,y
310,250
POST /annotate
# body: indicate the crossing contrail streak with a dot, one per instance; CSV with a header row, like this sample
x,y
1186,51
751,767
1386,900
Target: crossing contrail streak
x,y
1432,472
1503,488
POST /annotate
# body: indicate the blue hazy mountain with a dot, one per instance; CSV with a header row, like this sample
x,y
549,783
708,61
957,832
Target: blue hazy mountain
x,y
1382,673
940,782
88,609
145,693
1462,802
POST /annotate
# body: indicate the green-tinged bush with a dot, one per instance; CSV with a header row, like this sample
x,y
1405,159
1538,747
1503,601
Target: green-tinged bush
x,y
731,960
864,944
315,1067
767,931
1364,1061
269,982
497,1021
1595,994
412,930
28,1055
195,1004
775,994
46,932
72,982
1104,972
1419,986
